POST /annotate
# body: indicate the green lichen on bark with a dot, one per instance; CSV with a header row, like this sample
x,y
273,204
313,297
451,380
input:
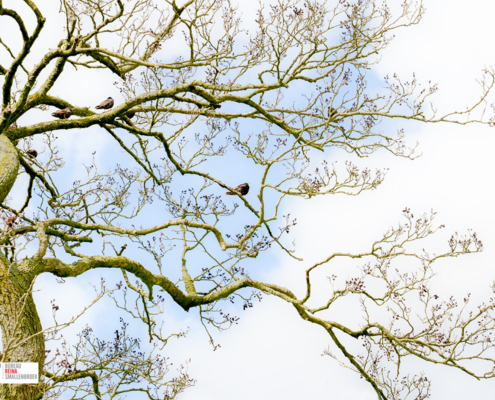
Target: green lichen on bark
x,y
19,321
20,325
9,166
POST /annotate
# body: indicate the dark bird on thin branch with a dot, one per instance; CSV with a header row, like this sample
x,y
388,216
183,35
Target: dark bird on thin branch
x,y
63,114
332,112
12,127
107,104
242,189
32,153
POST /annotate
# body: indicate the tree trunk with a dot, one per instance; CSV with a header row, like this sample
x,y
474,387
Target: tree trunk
x,y
9,166
19,319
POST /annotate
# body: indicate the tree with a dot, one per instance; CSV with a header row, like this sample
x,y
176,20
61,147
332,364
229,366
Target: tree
x,y
279,94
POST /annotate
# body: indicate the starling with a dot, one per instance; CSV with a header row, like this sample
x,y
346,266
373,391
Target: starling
x,y
63,114
32,153
107,104
332,112
242,189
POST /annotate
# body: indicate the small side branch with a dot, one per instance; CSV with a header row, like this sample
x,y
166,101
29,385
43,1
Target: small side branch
x,y
33,173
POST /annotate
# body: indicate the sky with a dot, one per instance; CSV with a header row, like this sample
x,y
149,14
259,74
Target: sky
x,y
272,353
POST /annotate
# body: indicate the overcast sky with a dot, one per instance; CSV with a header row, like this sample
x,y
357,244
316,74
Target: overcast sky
x,y
272,353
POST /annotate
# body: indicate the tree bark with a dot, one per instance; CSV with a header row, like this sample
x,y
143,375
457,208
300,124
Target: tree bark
x,y
9,166
19,319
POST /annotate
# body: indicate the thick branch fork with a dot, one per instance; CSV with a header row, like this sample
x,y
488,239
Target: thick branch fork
x,y
63,270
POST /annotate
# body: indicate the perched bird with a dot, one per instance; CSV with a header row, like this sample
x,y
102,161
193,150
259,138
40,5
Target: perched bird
x,y
242,189
63,114
32,153
12,127
107,104
129,115
331,112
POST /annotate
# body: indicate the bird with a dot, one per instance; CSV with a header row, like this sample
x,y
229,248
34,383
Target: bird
x,y
32,153
12,127
331,112
129,115
63,114
242,189
107,104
